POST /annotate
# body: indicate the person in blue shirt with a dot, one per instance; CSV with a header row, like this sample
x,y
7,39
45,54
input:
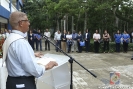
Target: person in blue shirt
x,y
74,38
35,41
125,38
39,40
118,37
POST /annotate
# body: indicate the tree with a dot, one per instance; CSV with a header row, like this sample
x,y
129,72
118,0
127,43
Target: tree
x,y
108,15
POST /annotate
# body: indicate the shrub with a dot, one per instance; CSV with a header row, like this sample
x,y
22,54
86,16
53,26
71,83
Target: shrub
x,y
111,47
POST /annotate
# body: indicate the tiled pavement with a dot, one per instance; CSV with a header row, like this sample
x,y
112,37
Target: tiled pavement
x,y
101,65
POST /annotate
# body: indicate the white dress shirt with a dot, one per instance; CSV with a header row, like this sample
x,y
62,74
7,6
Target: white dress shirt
x,y
21,61
58,36
96,36
86,35
7,34
69,36
47,34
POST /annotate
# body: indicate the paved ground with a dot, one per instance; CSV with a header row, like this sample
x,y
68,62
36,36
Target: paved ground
x,y
101,65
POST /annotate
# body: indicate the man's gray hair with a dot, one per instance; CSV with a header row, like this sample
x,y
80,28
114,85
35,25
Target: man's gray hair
x,y
15,17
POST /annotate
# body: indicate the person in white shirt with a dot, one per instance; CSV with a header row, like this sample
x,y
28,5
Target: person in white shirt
x,y
3,34
55,34
96,37
69,41
48,35
132,36
20,58
58,40
6,33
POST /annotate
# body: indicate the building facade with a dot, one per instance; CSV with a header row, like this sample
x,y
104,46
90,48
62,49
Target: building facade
x,y
6,7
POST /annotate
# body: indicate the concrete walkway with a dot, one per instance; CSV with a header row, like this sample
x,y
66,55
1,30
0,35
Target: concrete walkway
x,y
101,65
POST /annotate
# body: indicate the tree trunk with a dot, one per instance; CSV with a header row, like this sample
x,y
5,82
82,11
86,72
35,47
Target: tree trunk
x,y
67,22
72,23
61,25
57,25
116,19
85,21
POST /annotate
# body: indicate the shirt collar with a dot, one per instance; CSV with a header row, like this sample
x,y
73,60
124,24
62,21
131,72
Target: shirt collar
x,y
18,32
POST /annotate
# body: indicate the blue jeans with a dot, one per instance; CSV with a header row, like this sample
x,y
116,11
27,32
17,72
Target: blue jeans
x,y
117,47
39,43
58,44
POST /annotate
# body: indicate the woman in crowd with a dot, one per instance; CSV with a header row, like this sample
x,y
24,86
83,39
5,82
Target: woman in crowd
x,y
79,38
31,39
96,37
118,37
69,41
125,38
106,37
87,40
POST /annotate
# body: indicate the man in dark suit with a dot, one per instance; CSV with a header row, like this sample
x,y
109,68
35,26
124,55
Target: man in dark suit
x,y
63,41
87,40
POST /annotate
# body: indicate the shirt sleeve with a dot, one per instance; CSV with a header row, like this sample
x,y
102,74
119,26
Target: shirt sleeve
x,y
99,36
27,60
93,36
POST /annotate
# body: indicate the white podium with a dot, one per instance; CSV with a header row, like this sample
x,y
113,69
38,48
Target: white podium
x,y
58,77
3,75
55,78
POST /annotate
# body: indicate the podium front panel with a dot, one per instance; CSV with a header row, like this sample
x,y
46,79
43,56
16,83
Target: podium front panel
x,y
57,77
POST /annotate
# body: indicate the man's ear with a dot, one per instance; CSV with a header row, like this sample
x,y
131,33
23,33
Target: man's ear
x,y
20,23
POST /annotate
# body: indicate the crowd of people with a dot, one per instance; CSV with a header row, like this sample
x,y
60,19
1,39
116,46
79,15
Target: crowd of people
x,y
20,58
70,42
35,37
73,41
4,33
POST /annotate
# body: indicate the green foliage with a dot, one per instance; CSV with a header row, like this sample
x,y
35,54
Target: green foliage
x,y
111,47
101,14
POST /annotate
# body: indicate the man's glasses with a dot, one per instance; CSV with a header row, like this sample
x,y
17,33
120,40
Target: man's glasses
x,y
25,20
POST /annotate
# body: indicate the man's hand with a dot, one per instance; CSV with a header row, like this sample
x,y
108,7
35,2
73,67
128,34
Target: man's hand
x,y
50,65
38,54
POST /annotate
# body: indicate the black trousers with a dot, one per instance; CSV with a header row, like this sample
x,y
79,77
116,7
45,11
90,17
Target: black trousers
x,y
87,45
47,44
69,48
79,47
96,46
117,47
125,46
36,41
106,46
20,83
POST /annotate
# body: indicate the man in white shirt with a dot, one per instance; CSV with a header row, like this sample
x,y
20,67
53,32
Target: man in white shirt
x,y
132,36
58,40
20,58
6,33
48,35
